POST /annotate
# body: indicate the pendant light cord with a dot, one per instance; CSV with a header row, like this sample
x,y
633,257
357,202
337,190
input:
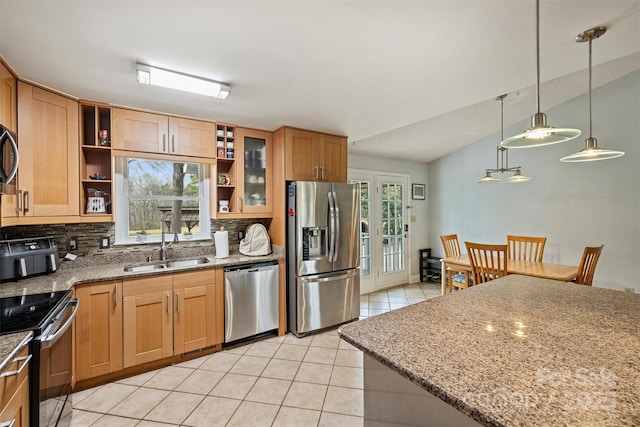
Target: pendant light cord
x,y
590,119
538,55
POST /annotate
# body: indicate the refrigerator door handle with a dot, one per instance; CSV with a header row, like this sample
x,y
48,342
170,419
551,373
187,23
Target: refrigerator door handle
x,y
332,226
336,230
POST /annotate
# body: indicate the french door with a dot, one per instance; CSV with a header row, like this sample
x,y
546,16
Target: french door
x,y
383,239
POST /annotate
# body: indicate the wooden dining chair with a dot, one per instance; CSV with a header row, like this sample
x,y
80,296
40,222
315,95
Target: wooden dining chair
x,y
526,248
451,247
488,262
588,263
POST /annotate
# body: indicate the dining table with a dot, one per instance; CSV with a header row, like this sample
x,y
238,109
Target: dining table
x,y
543,270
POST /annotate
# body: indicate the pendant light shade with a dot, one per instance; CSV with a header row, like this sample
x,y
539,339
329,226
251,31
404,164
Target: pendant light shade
x,y
487,179
518,177
539,133
591,151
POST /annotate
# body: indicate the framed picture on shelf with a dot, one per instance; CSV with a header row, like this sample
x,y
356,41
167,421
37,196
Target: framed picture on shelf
x,y
221,153
418,191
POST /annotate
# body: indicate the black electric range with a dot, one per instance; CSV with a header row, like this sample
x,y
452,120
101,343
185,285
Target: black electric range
x,y
49,315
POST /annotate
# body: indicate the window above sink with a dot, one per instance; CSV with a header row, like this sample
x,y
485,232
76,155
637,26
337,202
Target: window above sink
x,y
146,189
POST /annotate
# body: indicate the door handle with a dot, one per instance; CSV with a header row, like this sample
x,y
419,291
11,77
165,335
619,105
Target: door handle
x,y
241,204
25,362
115,294
316,176
164,142
173,143
20,202
168,303
27,202
322,172
178,302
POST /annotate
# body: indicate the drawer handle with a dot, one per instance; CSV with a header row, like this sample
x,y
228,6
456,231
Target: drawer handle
x,y
25,361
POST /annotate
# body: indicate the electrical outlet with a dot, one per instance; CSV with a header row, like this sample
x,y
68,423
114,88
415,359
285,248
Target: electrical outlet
x,y
240,235
104,242
73,243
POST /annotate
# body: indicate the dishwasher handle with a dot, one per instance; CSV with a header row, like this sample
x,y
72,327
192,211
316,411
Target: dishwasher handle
x,y
252,268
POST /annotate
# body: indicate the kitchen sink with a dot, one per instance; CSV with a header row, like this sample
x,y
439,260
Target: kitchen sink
x,y
143,268
187,262
168,264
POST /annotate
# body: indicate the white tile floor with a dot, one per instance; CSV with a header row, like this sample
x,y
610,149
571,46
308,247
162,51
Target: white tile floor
x,y
282,381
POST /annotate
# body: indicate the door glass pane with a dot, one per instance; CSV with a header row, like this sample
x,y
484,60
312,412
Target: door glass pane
x,y
255,187
392,226
365,239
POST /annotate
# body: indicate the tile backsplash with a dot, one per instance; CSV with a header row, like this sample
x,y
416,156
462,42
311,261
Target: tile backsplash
x,y
88,235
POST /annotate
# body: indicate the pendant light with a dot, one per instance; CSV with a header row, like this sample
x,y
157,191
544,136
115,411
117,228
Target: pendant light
x,y
591,151
502,157
539,133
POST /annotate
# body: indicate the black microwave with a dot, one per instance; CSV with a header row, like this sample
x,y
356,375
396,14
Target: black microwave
x,y
9,160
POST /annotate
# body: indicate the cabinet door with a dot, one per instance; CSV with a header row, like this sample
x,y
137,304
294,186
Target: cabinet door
x,y
194,316
99,329
8,99
16,411
48,146
147,318
254,171
332,157
139,131
301,152
191,138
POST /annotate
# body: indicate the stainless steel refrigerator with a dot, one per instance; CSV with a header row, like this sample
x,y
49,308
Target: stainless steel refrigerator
x,y
323,255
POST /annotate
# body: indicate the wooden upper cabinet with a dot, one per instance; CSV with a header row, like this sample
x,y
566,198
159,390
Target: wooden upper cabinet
x,y
301,149
8,99
254,171
138,131
332,153
311,156
155,133
192,137
48,176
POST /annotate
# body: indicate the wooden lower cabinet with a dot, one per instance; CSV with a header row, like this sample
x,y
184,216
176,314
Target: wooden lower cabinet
x,y
194,316
125,323
169,315
98,329
14,394
147,318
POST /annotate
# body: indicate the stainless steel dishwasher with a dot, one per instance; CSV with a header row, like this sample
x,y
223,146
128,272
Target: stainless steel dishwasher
x,y
250,300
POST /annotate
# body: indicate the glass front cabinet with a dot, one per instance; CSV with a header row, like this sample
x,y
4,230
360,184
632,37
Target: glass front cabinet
x,y
254,158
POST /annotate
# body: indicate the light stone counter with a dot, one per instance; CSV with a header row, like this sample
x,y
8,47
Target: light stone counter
x,y
66,278
516,351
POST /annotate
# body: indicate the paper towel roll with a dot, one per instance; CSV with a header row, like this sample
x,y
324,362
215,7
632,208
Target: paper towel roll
x,y
221,239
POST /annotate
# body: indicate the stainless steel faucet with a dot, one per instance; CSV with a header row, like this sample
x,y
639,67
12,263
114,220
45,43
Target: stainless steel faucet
x,y
163,245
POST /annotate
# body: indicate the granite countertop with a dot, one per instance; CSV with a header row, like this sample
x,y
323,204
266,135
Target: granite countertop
x,y
518,351
66,278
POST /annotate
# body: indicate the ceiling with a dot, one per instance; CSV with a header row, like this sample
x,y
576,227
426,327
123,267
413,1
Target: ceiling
x,y
403,79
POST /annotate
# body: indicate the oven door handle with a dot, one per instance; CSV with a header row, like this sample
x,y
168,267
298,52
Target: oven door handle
x,y
49,340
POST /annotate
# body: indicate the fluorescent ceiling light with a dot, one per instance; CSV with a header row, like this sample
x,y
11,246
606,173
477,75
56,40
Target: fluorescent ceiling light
x,y
150,75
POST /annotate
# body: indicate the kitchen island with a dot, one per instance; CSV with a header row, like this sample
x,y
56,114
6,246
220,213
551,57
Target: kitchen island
x,y
516,351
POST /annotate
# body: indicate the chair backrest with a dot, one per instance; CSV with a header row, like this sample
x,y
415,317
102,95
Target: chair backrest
x,y
451,245
588,263
526,247
488,262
